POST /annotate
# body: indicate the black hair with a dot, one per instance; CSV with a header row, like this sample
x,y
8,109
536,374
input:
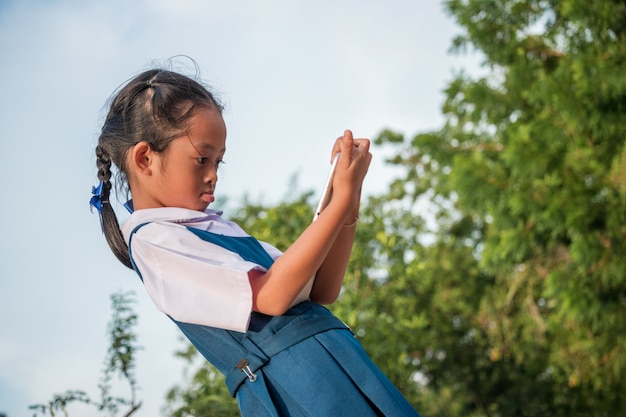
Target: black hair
x,y
153,107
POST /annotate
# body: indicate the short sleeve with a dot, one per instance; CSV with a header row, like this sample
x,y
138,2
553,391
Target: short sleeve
x,y
191,280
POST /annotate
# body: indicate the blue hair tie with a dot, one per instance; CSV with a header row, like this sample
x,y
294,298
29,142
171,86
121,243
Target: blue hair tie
x,y
96,200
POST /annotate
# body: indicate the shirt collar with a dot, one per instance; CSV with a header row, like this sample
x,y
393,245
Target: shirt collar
x,y
170,214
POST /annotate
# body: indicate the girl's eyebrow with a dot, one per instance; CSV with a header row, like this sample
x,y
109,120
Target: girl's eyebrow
x,y
209,147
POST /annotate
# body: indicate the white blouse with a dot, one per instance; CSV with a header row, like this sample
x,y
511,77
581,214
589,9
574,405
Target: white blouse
x,y
189,279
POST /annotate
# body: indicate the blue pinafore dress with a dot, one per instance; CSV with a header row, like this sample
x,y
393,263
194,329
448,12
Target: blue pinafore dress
x,y
303,363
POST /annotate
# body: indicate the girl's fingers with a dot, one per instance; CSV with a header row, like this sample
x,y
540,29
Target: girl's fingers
x,y
347,142
351,149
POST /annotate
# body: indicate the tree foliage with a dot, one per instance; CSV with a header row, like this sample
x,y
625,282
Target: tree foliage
x,y
120,362
490,280
530,210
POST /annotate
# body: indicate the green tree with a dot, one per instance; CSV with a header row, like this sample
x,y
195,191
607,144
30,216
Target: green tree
x,y
528,255
120,361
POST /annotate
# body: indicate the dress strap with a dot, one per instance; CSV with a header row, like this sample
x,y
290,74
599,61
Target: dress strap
x,y
245,246
130,252
293,333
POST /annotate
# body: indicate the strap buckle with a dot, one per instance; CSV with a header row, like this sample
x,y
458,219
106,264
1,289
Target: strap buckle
x,y
244,366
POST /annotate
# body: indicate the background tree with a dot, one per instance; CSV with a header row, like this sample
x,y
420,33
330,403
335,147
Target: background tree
x,y
120,361
523,178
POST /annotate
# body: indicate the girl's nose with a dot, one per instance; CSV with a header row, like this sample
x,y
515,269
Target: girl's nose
x,y
210,175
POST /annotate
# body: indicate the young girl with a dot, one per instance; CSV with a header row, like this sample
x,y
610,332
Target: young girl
x,y
255,313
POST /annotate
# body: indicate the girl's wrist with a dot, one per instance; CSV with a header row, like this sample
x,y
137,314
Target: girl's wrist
x,y
347,208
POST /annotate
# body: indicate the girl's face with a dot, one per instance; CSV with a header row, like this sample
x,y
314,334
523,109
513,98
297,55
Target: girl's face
x,y
188,173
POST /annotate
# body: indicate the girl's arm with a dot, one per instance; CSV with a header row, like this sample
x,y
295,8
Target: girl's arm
x,y
274,291
329,277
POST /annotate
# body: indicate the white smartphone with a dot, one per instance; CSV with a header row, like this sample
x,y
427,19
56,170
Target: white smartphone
x,y
328,189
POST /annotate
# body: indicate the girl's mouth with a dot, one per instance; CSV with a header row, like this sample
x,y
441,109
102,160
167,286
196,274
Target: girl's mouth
x,y
207,197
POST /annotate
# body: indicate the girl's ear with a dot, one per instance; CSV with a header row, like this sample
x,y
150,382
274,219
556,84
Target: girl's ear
x,y
142,158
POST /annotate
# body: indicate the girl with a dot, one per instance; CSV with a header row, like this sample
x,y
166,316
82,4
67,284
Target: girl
x,y
255,313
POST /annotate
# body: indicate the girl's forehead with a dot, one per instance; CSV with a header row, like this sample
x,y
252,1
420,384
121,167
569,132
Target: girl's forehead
x,y
207,130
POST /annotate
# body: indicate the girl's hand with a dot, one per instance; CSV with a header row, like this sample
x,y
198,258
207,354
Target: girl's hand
x,y
351,169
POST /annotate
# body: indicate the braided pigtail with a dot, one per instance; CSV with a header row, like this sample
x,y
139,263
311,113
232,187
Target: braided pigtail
x,y
110,225
154,107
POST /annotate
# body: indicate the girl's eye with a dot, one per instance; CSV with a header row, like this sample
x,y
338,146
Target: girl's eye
x,y
202,160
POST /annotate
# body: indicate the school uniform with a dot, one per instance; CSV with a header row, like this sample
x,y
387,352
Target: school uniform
x,y
194,266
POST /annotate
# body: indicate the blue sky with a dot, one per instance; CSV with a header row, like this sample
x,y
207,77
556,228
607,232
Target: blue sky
x,y
293,76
